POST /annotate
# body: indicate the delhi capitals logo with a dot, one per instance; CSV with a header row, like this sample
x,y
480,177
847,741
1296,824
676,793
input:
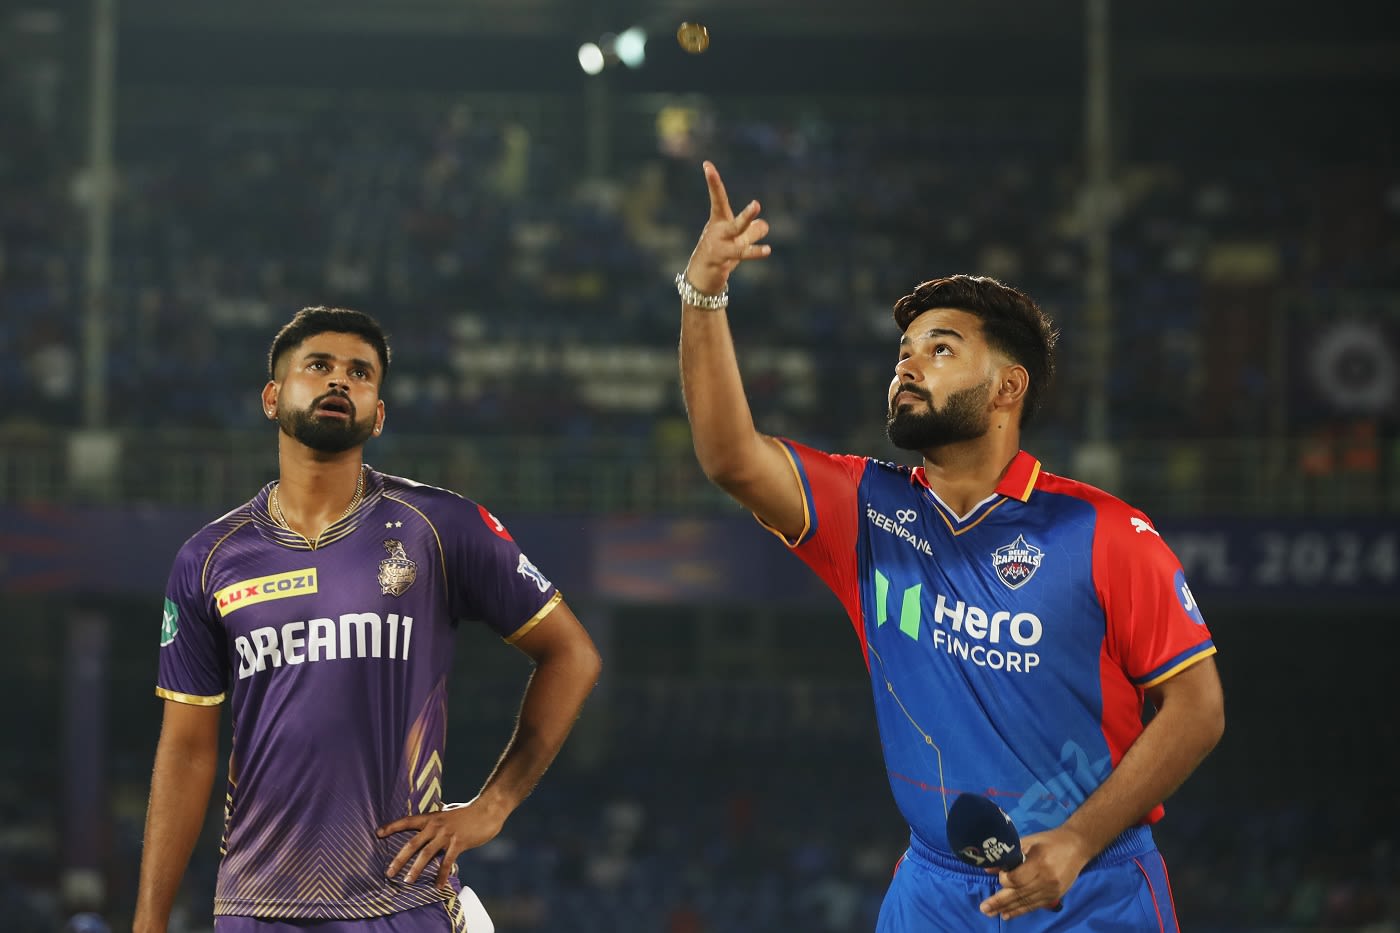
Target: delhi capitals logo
x,y
397,571
1017,562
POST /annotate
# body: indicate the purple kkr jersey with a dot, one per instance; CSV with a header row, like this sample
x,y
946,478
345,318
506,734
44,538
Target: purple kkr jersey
x,y
336,661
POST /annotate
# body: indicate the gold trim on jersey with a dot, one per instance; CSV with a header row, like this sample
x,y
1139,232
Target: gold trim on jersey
x,y
1019,493
928,738
204,574
535,619
456,916
1030,484
336,530
189,698
428,731
801,491
966,528
299,542
429,782
1173,671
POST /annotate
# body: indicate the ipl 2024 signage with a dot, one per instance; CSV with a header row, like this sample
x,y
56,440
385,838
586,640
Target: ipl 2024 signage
x,y
128,550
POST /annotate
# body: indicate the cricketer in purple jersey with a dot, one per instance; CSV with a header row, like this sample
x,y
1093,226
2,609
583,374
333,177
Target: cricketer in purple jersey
x,y
335,662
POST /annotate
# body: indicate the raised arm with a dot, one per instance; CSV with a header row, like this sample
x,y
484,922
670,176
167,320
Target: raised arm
x,y
751,467
186,760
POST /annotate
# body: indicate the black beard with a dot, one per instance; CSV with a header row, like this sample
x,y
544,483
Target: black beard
x,y
326,435
963,417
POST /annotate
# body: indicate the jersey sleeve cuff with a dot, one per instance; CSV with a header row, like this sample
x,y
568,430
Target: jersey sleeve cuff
x,y
191,699
809,510
1176,665
535,619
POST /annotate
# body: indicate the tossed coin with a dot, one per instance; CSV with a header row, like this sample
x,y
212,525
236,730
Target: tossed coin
x,y
693,37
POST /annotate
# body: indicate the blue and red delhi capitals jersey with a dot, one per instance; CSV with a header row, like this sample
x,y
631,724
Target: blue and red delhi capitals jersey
x,y
1008,648
335,662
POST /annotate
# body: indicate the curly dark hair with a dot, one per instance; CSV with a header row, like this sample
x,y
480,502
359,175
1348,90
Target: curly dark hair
x,y
1013,324
308,322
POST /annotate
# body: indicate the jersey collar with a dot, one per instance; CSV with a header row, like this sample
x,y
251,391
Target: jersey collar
x,y
262,517
1020,477
1017,482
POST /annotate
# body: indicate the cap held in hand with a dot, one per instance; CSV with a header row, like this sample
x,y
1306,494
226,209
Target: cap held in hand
x,y
981,834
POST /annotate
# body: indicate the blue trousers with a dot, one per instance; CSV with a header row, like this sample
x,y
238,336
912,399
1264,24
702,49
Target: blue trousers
x,y
1122,890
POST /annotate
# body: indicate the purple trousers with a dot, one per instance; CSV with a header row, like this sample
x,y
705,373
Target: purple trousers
x,y
433,918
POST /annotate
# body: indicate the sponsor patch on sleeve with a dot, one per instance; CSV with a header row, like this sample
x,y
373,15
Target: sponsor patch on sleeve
x,y
494,523
1187,600
530,572
169,622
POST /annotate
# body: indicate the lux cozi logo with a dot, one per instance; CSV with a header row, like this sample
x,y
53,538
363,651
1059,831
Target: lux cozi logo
x,y
262,589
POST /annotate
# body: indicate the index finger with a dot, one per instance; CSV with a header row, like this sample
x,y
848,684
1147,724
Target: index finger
x,y
400,825
719,199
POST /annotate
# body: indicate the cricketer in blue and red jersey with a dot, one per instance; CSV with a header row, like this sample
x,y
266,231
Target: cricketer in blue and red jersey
x,y
324,612
1013,622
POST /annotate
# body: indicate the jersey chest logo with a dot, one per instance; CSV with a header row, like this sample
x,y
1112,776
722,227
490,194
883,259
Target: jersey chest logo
x,y
261,589
397,571
898,526
1017,562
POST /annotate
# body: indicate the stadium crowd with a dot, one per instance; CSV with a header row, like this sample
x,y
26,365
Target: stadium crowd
x,y
494,262
499,271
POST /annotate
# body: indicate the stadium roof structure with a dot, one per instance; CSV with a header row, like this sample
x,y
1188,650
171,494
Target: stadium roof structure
x,y
900,42
1338,66
557,17
1238,20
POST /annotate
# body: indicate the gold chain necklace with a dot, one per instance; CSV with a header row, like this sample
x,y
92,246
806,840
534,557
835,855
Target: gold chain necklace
x,y
274,502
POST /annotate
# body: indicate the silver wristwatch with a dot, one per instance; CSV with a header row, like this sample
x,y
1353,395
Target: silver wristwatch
x,y
698,299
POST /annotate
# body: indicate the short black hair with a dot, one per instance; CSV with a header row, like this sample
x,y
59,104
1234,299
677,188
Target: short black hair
x,y
1013,324
308,322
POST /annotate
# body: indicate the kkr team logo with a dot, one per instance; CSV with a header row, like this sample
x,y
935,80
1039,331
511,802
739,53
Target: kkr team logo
x,y
397,571
1017,562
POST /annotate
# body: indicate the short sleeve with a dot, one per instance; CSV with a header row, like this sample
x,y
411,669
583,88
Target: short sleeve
x,y
491,579
830,486
193,654
1155,627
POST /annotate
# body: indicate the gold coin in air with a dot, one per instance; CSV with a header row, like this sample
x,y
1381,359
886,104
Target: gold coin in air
x,y
693,37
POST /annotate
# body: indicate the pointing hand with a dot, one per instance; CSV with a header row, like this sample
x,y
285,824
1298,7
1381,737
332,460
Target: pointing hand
x,y
727,239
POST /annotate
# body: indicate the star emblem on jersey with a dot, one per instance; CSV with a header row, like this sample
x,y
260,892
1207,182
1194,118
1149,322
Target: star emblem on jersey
x,y
397,571
1017,562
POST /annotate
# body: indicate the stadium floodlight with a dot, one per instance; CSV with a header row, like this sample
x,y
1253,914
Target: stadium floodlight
x,y
631,47
590,58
